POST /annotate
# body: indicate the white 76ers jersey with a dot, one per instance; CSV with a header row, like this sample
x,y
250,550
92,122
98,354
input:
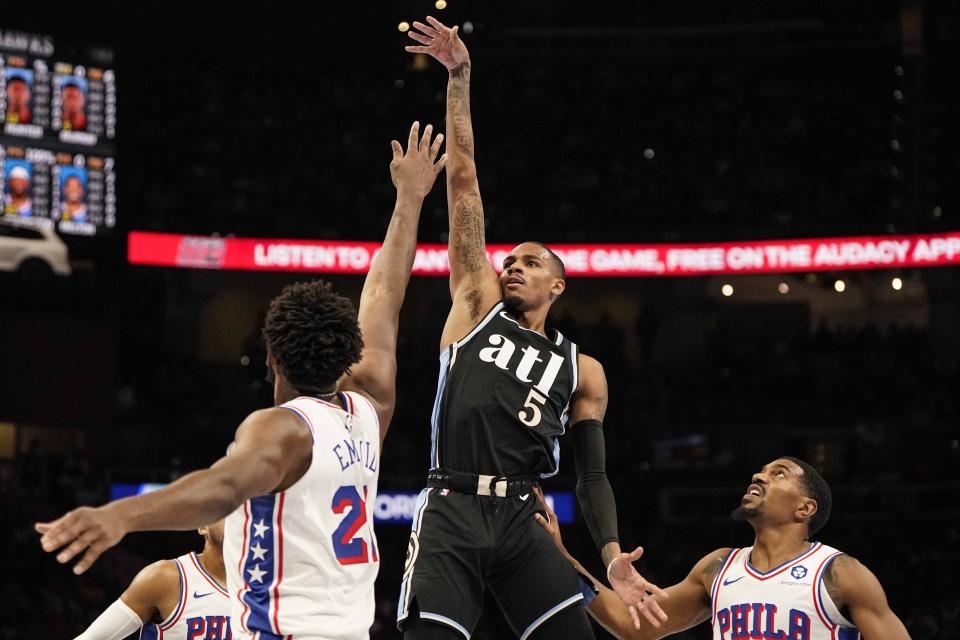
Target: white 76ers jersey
x,y
789,602
302,562
202,611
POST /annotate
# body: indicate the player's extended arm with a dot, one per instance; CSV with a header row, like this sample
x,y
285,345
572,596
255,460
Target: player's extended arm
x,y
152,595
474,286
413,174
854,587
588,407
686,603
587,410
271,450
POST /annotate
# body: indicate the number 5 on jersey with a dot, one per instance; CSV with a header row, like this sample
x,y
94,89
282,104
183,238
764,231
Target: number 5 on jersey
x,y
534,401
347,545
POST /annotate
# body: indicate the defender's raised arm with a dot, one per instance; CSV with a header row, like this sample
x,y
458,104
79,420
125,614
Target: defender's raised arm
x,y
413,173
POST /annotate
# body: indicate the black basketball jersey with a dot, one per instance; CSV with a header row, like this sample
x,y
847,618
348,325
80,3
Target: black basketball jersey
x,y
503,399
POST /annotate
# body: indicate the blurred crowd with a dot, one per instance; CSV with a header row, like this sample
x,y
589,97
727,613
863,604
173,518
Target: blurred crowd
x,y
783,143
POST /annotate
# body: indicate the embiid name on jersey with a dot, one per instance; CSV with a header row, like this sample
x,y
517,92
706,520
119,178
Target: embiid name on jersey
x,y
303,561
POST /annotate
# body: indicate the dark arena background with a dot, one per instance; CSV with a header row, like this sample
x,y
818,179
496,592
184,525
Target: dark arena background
x,y
672,150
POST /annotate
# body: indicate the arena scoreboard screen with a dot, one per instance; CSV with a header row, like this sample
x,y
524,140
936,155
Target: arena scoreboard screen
x,y
59,119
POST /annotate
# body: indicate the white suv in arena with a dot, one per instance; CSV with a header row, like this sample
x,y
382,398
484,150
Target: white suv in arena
x,y
31,250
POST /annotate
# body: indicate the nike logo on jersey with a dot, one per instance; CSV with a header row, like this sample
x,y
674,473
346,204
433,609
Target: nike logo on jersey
x,y
524,496
727,582
202,595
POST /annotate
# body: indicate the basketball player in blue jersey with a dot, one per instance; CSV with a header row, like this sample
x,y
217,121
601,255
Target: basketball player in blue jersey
x,y
784,587
299,483
508,389
181,599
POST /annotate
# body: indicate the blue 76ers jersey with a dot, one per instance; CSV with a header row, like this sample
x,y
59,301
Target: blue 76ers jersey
x,y
789,602
202,611
302,562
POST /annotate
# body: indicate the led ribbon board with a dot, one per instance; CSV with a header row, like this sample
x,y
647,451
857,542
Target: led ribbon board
x,y
601,260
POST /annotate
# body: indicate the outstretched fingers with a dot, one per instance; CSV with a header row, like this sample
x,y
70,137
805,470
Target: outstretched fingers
x,y
93,552
657,610
425,140
440,165
420,37
657,591
435,147
644,609
425,29
436,24
75,547
59,532
542,501
413,137
634,616
651,610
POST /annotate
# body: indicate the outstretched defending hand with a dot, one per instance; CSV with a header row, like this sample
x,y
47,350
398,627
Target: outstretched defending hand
x,y
637,593
441,42
93,530
415,172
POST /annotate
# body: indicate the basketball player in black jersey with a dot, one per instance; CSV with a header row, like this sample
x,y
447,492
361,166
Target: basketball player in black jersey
x,y
507,391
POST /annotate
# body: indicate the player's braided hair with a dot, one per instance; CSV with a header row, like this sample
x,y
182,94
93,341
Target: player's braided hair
x,y
816,488
313,335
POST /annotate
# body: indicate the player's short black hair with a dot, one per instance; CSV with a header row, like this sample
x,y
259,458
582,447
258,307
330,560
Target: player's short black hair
x,y
816,488
561,269
313,335
17,79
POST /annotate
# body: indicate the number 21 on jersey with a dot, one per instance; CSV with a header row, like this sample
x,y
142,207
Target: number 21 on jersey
x,y
349,547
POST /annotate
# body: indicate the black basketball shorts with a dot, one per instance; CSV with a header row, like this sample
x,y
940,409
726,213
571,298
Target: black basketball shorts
x,y
463,543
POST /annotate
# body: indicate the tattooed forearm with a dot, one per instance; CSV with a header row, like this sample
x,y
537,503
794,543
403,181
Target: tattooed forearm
x,y
466,233
459,125
468,255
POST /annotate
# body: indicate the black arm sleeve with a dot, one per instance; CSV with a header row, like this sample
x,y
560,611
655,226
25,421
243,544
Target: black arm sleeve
x,y
593,488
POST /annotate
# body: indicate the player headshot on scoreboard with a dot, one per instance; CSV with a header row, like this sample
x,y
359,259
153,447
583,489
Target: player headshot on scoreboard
x,y
16,189
73,101
73,194
19,92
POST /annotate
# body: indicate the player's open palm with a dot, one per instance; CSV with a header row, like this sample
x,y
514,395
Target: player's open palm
x,y
415,170
88,531
639,594
439,41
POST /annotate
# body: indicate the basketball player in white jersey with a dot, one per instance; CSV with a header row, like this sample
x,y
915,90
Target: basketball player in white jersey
x,y
180,599
299,482
784,587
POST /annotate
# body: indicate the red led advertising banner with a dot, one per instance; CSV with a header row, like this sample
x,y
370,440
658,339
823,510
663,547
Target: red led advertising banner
x,y
603,260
